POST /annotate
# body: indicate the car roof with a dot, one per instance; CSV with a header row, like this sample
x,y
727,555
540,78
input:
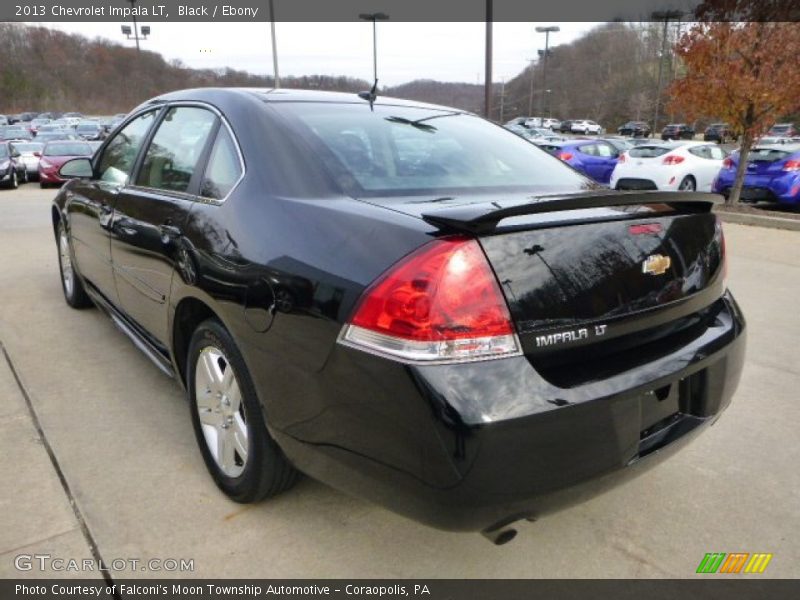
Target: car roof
x,y
271,95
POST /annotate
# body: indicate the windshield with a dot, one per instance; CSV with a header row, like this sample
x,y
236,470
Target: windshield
x,y
70,149
395,150
87,127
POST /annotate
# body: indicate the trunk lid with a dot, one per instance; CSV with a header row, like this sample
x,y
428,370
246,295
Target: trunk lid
x,y
586,269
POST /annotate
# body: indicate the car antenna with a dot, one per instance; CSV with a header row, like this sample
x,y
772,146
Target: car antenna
x,y
371,95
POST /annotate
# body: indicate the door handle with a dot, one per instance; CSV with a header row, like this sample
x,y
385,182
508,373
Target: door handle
x,y
169,233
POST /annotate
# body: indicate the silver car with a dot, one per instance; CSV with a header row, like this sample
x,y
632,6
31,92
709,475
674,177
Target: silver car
x,y
30,154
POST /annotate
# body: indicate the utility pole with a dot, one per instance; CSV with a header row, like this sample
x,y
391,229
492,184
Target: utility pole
x,y
530,93
666,16
546,31
275,74
374,17
487,83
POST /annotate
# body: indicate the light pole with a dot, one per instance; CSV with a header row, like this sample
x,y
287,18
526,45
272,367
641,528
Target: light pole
x,y
275,74
666,16
487,83
530,93
546,31
126,29
374,17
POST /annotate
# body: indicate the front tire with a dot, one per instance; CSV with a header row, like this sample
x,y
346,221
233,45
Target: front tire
x,y
74,292
241,456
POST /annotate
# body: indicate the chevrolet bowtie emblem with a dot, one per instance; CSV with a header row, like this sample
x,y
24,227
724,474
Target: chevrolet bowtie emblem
x,y
655,264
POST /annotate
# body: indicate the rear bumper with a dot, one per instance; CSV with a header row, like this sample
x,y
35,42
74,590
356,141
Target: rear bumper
x,y
784,189
475,446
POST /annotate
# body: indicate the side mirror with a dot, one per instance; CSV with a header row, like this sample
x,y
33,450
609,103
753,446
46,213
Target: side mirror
x,y
37,154
77,168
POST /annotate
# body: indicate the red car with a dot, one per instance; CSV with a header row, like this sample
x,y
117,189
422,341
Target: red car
x,y
55,154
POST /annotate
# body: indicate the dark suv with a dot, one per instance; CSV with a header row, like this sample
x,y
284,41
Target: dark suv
x,y
677,131
719,132
635,129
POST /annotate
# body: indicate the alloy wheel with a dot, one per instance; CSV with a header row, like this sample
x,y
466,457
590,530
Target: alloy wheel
x,y
67,274
223,419
687,185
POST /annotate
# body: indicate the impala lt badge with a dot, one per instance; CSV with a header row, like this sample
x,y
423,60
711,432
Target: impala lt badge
x,y
656,264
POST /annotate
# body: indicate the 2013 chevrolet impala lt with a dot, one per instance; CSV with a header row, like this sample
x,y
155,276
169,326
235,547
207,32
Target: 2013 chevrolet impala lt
x,y
404,301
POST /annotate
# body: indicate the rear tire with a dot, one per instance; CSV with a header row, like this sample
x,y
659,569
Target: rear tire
x,y
240,454
74,292
687,184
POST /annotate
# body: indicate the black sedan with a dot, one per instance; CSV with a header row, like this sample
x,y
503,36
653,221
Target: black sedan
x,y
404,301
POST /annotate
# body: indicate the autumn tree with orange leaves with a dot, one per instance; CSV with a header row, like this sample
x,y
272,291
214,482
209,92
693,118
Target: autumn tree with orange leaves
x,y
741,66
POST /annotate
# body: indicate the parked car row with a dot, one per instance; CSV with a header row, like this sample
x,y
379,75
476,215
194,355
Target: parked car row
x,y
57,126
773,169
23,161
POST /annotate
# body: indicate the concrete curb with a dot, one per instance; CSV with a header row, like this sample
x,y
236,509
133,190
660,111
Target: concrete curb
x,y
759,220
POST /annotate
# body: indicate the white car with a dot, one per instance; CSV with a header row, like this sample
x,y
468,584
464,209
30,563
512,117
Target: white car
x,y
670,166
550,123
585,127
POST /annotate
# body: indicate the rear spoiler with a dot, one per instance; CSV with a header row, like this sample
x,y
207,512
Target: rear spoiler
x,y
480,218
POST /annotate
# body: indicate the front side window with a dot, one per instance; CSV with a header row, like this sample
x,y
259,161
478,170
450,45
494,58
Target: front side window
x,y
171,158
397,150
224,168
117,161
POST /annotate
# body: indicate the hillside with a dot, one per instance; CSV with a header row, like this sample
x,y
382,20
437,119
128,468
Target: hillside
x,y
53,70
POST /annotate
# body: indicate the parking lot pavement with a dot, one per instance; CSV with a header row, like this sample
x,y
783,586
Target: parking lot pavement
x,y
121,433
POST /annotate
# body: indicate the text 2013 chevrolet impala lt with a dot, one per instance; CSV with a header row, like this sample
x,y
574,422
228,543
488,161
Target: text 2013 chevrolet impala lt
x,y
404,301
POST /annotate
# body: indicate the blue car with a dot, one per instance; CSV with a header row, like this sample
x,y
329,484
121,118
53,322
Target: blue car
x,y
595,158
773,174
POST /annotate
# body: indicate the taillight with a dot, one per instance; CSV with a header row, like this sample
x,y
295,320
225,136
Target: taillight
x,y
672,160
621,158
791,165
565,155
727,163
441,303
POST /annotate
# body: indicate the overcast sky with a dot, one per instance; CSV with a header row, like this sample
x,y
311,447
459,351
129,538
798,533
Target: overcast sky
x,y
406,51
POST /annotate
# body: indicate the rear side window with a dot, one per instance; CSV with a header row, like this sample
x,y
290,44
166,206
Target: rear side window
x,y
117,160
172,156
224,168
647,151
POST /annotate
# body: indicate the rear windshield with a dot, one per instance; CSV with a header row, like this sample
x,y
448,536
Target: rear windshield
x,y
395,150
28,147
647,151
67,149
88,127
3,151
780,128
767,154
